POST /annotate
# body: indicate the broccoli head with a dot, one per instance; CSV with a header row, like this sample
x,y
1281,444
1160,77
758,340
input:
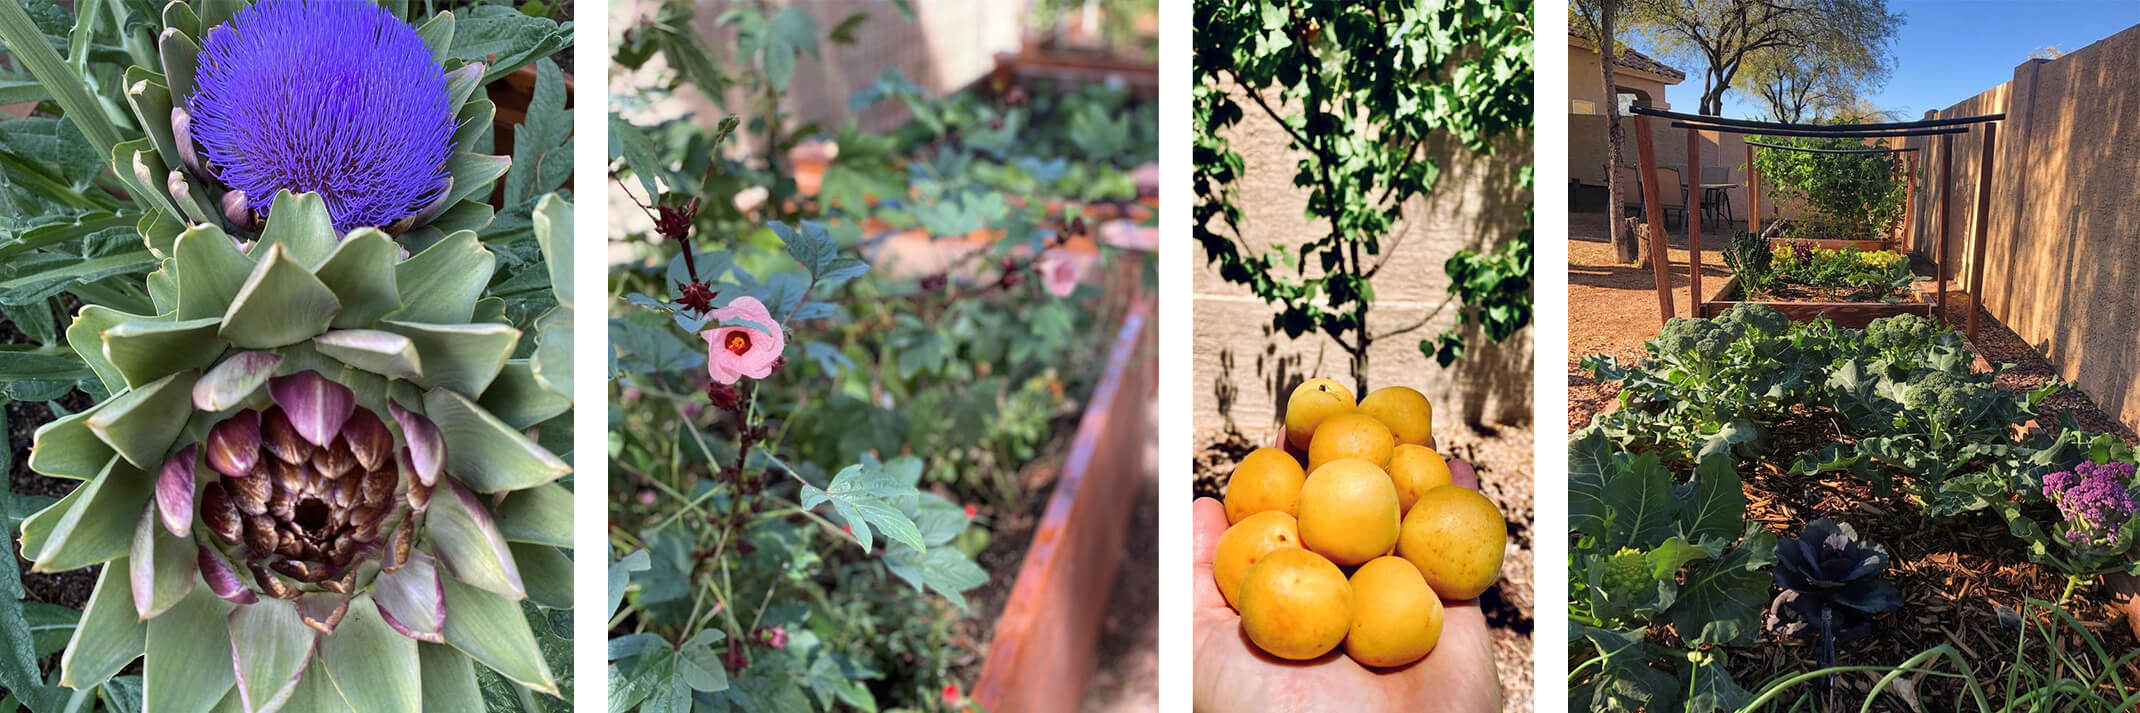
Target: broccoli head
x,y
1703,339
1902,332
1751,318
1627,574
1938,394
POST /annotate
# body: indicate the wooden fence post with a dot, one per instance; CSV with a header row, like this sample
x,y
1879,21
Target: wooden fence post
x,y
1946,216
1983,220
1694,223
1909,194
1753,193
1660,253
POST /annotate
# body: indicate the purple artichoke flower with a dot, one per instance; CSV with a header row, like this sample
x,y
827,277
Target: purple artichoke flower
x,y
2096,501
335,97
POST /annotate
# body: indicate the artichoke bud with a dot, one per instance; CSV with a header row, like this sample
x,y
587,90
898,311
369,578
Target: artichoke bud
x,y
278,431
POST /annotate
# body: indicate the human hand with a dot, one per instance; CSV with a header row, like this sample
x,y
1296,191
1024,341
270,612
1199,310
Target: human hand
x,y
1233,676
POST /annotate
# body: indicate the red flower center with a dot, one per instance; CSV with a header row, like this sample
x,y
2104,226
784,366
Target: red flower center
x,y
738,342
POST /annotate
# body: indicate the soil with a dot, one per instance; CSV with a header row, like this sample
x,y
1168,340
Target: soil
x,y
1794,292
1503,457
68,589
1963,581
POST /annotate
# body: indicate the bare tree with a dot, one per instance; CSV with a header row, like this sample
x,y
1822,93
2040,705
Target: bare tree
x,y
1726,34
1597,20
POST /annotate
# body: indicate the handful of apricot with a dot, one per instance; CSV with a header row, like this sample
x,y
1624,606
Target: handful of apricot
x,y
1359,538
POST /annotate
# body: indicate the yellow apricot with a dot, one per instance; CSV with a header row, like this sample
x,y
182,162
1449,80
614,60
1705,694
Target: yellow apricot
x,y
1267,479
1404,410
1348,511
1396,618
1456,537
1311,402
1416,470
1246,543
1351,435
1296,605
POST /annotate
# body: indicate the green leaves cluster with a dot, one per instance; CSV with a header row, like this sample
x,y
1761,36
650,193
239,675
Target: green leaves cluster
x,y
1855,196
1652,554
1364,92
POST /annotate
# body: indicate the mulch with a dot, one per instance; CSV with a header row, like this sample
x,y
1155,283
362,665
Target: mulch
x,y
1503,457
1962,581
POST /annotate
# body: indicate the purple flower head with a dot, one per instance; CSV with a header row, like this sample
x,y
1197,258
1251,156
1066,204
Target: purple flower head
x,y
335,97
2096,501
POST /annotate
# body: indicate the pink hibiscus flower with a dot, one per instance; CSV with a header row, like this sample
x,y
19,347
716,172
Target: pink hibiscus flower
x,y
1061,270
734,352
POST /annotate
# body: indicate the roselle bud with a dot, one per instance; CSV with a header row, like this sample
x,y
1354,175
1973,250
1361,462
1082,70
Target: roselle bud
x,y
724,396
697,296
674,223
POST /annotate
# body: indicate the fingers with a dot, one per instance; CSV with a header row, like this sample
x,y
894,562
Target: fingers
x,y
1209,522
1461,473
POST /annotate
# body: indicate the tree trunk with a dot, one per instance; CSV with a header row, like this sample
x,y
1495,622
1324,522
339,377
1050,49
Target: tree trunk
x,y
1624,246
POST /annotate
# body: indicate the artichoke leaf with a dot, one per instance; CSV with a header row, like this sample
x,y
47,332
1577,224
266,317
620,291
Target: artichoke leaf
x,y
188,667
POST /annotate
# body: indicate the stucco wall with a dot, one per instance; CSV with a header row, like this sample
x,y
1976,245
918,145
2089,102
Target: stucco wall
x,y
948,45
1243,368
1587,82
2062,247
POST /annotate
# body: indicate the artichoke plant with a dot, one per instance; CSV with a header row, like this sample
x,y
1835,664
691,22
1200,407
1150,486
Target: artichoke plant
x,y
313,485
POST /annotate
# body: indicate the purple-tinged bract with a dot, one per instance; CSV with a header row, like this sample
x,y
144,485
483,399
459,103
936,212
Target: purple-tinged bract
x,y
335,97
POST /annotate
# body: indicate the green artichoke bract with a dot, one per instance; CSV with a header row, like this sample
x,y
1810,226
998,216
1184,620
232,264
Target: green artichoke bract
x,y
288,145
312,486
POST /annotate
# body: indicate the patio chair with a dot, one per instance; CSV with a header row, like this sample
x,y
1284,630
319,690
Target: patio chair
x,y
1717,201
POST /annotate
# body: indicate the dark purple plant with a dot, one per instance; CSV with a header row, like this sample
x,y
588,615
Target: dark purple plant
x,y
335,97
2096,501
1832,586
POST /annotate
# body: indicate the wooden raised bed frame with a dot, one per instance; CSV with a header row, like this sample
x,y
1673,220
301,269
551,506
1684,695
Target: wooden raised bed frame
x,y
1660,256
1042,653
1846,314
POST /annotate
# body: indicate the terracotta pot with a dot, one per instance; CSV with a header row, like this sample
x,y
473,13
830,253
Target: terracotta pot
x,y
512,93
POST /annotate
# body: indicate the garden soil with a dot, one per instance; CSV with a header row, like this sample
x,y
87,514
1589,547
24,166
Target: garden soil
x,y
68,589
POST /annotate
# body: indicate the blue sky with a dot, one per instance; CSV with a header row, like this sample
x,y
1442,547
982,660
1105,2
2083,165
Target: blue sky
x,y
1949,50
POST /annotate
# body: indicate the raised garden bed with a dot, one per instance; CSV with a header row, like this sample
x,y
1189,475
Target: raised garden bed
x,y
1847,314
1041,654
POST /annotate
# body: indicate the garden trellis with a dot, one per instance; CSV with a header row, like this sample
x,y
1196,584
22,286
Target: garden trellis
x,y
1855,314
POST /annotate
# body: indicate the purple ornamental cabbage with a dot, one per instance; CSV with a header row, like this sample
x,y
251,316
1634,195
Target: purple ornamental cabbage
x,y
335,97
1832,586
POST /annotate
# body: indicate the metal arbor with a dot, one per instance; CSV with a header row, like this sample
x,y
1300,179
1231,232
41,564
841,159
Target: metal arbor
x,y
1696,124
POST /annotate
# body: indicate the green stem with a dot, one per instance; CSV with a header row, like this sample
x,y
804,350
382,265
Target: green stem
x,y
2073,581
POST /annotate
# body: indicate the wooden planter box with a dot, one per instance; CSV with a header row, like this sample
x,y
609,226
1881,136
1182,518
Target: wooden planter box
x,y
1042,653
1847,314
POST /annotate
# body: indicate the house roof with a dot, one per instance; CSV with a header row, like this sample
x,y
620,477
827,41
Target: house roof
x,y
1629,58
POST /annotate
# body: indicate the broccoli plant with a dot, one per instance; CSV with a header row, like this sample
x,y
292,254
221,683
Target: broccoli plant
x,y
1832,587
1653,554
1714,383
